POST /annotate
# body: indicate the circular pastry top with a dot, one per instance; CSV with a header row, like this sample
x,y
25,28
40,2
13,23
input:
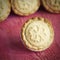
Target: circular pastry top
x,y
37,34
4,9
27,6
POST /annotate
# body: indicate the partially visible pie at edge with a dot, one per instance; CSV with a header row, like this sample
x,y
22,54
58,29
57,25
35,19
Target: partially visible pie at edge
x,y
37,34
52,5
25,7
5,8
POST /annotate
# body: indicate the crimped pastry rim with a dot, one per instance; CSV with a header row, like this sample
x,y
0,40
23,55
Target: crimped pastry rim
x,y
22,36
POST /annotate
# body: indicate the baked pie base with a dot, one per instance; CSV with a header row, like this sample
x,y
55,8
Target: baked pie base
x,y
37,34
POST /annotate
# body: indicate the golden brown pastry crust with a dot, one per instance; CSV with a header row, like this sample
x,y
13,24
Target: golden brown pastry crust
x,y
18,9
31,45
52,6
5,9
